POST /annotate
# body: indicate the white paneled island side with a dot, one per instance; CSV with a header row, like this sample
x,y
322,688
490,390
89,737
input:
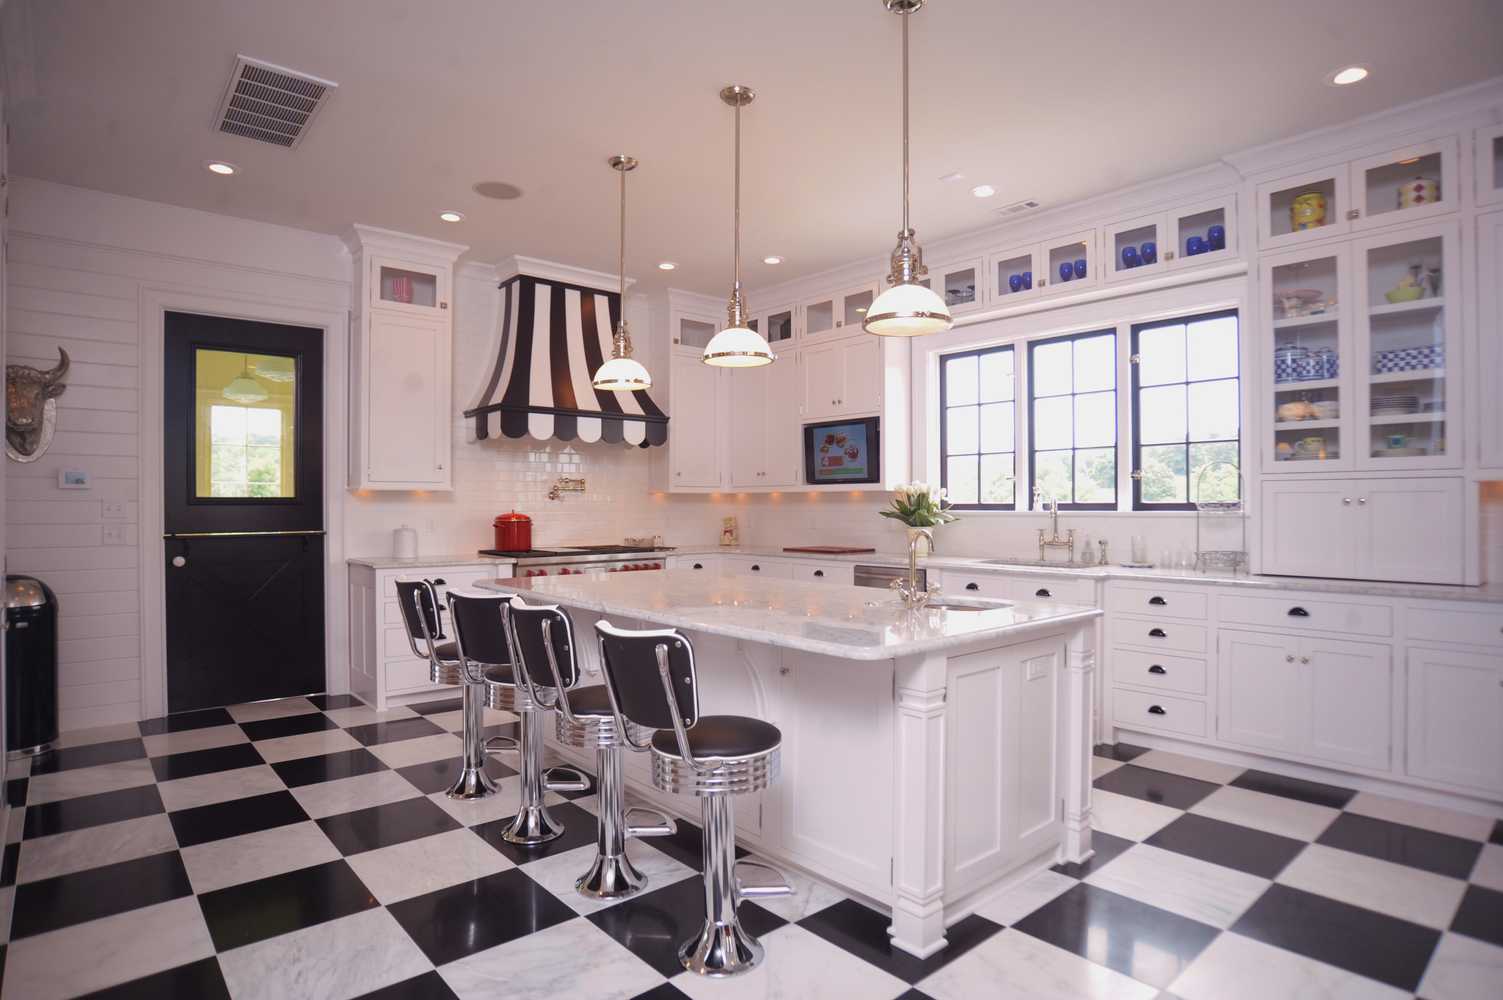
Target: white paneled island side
x,y
927,755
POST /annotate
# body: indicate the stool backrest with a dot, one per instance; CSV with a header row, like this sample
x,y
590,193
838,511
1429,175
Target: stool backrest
x,y
630,660
529,623
480,626
418,602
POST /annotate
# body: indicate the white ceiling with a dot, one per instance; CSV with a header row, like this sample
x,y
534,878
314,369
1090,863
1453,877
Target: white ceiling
x,y
1049,100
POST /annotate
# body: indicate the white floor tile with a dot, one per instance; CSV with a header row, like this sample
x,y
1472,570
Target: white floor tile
x,y
92,846
1463,968
1013,964
7,906
1420,896
1269,813
105,952
1190,767
330,798
419,866
250,856
1181,884
1125,816
558,872
325,741
89,781
364,715
97,734
799,965
1239,968
1021,900
219,786
1426,817
1100,766
574,960
1489,868
279,708
403,753
809,894
502,805
454,721
189,740
332,960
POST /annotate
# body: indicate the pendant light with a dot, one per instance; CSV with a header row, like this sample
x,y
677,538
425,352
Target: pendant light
x,y
737,346
622,372
243,388
907,309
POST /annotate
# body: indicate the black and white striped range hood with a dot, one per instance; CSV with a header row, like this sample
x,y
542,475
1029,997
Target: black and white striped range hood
x,y
552,336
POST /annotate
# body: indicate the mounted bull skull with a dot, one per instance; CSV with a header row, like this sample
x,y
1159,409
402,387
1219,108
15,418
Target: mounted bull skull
x,y
31,407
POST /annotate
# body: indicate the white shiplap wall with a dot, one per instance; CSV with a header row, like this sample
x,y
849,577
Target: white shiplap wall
x,y
78,262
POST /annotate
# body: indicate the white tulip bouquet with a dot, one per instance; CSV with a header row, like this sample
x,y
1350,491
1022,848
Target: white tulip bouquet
x,y
917,506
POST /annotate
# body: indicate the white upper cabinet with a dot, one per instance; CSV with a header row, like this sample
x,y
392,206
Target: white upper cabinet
x,y
1409,183
763,428
1066,263
842,378
962,284
1306,336
830,315
1188,236
1489,375
407,286
1489,160
1010,274
693,330
695,454
776,327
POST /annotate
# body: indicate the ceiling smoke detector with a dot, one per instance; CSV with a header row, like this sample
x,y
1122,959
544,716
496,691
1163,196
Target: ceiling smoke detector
x,y
499,190
270,103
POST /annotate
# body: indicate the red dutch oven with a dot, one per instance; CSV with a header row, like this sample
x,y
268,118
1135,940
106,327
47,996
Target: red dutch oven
x,y
513,532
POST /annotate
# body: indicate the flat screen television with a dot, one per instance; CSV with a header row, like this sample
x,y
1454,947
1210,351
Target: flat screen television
x,y
838,452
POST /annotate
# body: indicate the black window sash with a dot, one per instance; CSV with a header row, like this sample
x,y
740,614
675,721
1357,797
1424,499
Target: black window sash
x,y
1033,452
944,422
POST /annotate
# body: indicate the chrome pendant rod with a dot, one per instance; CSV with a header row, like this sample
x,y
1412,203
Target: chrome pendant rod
x,y
738,201
905,123
621,257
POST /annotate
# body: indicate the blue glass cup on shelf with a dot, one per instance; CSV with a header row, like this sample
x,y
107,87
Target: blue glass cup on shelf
x,y
1027,280
1066,270
1079,267
1195,245
1216,238
1149,252
1130,257
1015,282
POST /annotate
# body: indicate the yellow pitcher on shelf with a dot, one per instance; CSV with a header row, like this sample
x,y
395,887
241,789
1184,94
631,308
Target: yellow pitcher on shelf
x,y
1308,211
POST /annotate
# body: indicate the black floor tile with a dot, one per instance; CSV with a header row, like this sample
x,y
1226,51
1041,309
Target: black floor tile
x,y
255,911
202,824
1106,847
1119,751
579,829
1155,786
1312,792
1497,836
183,721
914,994
1405,845
196,762
288,725
11,857
92,755
686,845
91,810
653,925
1349,937
428,986
667,991
1151,945
1227,844
15,791
440,775
862,931
98,892
436,707
329,767
390,732
462,919
199,980
384,825
1480,915
329,702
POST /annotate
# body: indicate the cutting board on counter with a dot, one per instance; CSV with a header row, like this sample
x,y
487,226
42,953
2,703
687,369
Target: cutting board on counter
x,y
828,550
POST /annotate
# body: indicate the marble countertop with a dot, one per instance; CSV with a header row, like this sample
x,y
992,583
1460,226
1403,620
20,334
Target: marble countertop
x,y
392,562
849,622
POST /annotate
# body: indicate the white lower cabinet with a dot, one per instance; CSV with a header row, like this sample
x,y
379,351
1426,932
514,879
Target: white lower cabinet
x,y
1258,700
1455,718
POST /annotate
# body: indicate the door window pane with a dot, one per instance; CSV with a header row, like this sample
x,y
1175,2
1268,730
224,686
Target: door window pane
x,y
244,434
977,441
1073,387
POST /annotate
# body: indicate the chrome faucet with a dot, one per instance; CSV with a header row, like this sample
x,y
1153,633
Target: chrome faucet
x,y
1052,541
909,592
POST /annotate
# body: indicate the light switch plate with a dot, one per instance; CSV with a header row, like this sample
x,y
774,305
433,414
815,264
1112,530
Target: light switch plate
x,y
114,534
114,510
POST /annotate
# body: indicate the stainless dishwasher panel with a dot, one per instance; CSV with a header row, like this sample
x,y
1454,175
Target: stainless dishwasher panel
x,y
882,576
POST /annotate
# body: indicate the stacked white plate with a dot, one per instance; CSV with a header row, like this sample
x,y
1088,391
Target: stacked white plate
x,y
1395,404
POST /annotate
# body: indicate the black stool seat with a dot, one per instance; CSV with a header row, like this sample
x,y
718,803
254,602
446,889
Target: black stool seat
x,y
722,736
499,673
446,650
590,701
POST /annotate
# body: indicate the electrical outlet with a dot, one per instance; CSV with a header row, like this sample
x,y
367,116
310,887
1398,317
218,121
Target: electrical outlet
x,y
114,534
114,510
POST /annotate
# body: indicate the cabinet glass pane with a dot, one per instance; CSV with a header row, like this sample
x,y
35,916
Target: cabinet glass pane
x,y
694,333
819,316
1304,206
1306,361
1133,248
856,305
1407,345
1413,182
1068,262
408,287
1497,170
780,326
1014,275
1202,232
960,287
244,432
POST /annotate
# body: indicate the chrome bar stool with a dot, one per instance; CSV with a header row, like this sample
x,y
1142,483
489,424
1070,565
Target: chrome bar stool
x,y
543,636
418,601
652,682
482,631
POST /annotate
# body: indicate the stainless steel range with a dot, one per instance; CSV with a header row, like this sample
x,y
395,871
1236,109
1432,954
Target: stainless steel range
x,y
569,560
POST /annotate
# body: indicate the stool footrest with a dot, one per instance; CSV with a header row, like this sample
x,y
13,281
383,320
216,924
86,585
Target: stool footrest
x,y
568,780
502,744
755,880
659,824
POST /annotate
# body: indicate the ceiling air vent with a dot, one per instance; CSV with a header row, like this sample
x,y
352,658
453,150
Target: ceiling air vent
x,y
270,103
1017,207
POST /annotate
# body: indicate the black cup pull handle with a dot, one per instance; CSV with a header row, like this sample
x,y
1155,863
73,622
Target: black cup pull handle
x,y
1156,710
1158,601
819,572
973,586
699,565
440,582
1156,669
1042,592
756,567
1158,633
1298,612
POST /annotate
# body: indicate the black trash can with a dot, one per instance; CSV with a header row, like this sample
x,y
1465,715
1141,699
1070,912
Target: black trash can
x,y
30,667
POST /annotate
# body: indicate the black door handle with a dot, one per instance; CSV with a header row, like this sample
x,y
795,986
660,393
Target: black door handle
x,y
1042,592
1156,710
756,568
973,586
1157,633
1156,669
819,572
699,566
1298,612
1158,601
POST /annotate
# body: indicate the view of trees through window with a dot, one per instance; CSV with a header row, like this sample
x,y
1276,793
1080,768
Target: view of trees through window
x,y
245,458
1073,388
979,403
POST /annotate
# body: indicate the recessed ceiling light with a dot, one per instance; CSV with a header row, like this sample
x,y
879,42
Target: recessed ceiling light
x,y
220,167
666,265
954,175
1347,76
772,259
983,190
451,216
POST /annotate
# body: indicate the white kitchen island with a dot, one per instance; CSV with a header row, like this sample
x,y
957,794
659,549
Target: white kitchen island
x,y
927,755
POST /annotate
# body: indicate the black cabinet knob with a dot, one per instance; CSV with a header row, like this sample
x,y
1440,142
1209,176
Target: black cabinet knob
x,y
756,568
819,572
1156,710
973,586
1158,633
1298,612
699,566
1157,601
440,582
1042,592
1156,669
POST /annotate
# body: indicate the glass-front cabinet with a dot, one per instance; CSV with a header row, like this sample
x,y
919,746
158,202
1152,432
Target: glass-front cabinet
x,y
1191,235
693,332
1489,142
776,325
1296,209
959,283
1011,273
1056,266
407,287
842,312
1134,248
1310,408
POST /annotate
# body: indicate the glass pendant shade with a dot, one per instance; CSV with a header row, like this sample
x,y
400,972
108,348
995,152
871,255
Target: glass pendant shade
x,y
620,372
737,347
907,310
622,375
244,389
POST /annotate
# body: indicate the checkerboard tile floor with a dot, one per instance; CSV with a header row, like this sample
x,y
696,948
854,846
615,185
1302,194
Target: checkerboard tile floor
x,y
304,848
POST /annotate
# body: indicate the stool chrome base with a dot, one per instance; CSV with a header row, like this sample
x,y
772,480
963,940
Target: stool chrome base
x,y
473,782
532,825
723,947
721,950
611,877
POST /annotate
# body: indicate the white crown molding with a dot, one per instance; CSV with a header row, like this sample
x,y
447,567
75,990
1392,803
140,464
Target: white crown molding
x,y
362,237
535,267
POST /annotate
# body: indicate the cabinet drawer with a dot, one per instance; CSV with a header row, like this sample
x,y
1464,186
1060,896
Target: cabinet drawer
x,y
1307,614
758,566
705,564
394,645
1158,711
1158,670
1168,602
1158,634
1479,628
1045,589
820,572
391,613
404,675
962,584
